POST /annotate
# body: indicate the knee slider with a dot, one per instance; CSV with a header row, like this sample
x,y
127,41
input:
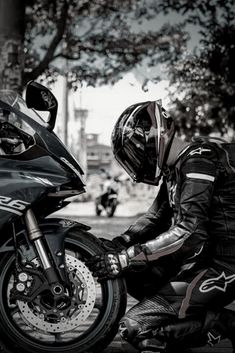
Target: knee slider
x,y
129,329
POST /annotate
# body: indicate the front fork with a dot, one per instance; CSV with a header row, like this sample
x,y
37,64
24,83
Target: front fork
x,y
35,236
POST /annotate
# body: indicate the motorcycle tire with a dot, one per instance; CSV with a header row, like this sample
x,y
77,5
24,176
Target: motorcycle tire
x,y
97,210
24,331
111,208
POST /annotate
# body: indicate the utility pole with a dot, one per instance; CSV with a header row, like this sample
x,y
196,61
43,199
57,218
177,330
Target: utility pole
x,y
81,116
65,111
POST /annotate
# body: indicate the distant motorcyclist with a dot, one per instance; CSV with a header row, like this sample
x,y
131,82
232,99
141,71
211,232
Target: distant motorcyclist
x,y
105,186
198,188
107,200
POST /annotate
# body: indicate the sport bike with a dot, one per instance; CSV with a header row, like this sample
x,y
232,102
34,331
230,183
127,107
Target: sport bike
x,y
49,300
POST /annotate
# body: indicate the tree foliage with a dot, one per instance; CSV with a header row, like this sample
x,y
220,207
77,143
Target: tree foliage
x,y
95,41
205,80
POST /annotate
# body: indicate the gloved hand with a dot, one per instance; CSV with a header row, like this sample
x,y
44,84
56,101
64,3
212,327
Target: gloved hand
x,y
108,265
112,264
117,244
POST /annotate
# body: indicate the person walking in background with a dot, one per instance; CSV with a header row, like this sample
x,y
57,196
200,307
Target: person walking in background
x,y
184,246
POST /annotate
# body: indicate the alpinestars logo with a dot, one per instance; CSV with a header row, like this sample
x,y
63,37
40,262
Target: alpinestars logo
x,y
123,332
212,340
220,283
199,150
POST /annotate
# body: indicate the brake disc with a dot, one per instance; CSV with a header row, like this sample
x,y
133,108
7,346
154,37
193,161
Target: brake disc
x,y
35,314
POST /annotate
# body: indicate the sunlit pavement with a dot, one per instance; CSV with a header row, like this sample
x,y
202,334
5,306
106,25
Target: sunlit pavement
x,y
124,209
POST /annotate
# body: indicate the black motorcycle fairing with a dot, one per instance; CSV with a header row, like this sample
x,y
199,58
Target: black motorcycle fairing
x,y
43,169
40,166
52,143
25,182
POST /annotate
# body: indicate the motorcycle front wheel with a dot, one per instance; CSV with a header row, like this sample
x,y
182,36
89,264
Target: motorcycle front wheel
x,y
98,210
85,324
111,207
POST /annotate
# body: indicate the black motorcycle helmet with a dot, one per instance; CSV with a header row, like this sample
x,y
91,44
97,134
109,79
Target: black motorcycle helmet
x,y
141,140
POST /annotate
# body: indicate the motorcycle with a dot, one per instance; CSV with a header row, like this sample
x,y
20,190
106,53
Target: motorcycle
x,y
49,300
108,201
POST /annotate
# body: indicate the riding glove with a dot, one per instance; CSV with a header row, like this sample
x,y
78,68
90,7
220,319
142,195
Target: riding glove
x,y
108,265
111,265
118,243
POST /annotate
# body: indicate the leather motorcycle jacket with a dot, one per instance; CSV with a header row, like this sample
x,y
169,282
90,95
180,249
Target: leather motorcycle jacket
x,y
200,192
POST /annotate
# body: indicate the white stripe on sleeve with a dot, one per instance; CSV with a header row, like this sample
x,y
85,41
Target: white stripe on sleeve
x,y
200,176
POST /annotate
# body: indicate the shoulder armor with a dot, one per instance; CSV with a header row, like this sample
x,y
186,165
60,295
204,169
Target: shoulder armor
x,y
198,158
201,150
223,154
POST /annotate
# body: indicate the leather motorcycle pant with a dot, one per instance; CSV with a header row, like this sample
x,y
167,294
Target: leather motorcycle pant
x,y
138,325
200,332
184,312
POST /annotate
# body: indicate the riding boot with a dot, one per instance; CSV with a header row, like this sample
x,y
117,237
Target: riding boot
x,y
197,333
182,334
152,345
140,339
156,346
225,325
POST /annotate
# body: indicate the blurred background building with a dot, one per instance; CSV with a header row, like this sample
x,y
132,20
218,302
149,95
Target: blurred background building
x,y
99,156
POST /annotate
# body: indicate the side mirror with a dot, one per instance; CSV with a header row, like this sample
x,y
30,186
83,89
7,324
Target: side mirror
x,y
40,98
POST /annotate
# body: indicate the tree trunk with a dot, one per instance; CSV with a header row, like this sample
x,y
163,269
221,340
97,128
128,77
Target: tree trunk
x,y
12,14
